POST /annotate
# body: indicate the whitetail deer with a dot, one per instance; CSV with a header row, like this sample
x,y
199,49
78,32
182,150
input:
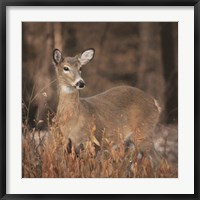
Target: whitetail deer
x,y
121,110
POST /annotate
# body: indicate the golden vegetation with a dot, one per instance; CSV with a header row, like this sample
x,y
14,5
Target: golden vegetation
x,y
45,155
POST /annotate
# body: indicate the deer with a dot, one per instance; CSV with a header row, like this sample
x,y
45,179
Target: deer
x,y
122,109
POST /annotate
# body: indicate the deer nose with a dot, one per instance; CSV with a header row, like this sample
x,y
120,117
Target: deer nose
x,y
80,84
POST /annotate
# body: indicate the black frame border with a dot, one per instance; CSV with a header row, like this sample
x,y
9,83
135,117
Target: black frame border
x,y
5,3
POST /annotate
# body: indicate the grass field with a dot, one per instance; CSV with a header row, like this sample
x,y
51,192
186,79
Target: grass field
x,y
45,155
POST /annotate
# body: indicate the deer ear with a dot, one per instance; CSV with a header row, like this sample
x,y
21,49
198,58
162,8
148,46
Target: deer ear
x,y
57,56
86,56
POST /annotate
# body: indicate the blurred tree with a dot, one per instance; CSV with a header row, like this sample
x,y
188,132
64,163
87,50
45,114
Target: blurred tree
x,y
57,30
169,35
150,72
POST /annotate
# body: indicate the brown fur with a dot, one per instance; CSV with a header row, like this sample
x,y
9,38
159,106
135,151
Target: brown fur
x,y
122,110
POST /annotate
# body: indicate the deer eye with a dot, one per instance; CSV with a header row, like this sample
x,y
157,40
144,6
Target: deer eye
x,y
66,69
80,70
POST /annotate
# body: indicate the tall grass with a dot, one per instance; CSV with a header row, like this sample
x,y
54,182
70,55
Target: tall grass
x,y
45,155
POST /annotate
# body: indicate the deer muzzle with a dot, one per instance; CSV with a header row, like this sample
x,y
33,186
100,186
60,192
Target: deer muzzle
x,y
80,84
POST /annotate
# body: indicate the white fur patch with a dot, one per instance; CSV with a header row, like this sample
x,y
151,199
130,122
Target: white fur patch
x,y
157,105
67,90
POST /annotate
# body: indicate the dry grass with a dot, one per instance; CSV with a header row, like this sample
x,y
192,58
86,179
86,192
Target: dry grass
x,y
45,156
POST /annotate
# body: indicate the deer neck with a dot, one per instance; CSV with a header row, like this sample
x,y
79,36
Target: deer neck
x,y
69,104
